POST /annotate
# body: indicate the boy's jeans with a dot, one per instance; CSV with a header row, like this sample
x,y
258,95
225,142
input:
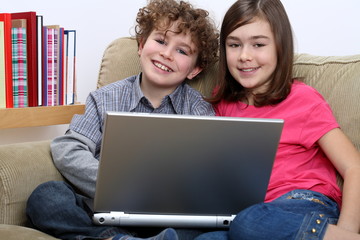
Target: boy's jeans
x,y
297,215
56,209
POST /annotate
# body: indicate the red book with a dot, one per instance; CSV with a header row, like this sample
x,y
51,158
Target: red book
x,y
32,62
6,18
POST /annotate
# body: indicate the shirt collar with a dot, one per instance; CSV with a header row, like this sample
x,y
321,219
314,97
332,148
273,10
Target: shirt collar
x,y
137,93
176,98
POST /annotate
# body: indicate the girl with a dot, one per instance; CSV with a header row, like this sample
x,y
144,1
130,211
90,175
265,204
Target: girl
x,y
303,199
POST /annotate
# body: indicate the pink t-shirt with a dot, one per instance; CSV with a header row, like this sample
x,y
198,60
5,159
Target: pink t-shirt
x,y
299,162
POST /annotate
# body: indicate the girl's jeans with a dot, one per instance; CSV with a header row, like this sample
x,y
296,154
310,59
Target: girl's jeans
x,y
298,215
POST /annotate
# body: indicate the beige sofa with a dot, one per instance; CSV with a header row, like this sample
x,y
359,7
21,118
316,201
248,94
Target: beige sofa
x,y
24,166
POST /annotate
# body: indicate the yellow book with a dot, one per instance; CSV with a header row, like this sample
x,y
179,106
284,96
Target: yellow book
x,y
2,67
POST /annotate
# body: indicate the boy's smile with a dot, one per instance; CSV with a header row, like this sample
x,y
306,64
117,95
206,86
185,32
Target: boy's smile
x,y
162,67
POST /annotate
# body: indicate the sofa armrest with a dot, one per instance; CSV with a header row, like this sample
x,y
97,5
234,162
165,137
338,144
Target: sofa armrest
x,y
23,166
12,232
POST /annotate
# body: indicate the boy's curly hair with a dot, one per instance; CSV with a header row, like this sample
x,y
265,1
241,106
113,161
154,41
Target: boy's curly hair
x,y
160,14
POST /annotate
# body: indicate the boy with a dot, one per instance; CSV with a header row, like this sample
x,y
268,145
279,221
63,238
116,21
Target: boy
x,y
176,42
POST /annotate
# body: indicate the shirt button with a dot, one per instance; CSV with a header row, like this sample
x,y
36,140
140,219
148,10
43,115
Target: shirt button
x,y
313,230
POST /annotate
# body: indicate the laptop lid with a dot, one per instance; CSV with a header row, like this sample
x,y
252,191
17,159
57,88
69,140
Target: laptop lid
x,y
182,171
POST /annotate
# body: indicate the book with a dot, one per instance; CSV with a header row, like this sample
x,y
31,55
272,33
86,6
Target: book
x,y
19,63
5,18
48,66
61,95
2,68
54,65
31,32
70,66
44,46
39,36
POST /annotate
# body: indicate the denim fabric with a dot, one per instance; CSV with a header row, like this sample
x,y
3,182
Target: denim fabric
x,y
56,209
297,215
217,235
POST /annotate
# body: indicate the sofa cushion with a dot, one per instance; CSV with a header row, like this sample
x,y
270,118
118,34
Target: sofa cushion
x,y
337,78
23,166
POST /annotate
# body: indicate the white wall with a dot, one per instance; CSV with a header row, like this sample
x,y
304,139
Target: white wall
x,y
321,27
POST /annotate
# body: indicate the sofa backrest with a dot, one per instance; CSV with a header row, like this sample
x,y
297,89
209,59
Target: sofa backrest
x,y
336,78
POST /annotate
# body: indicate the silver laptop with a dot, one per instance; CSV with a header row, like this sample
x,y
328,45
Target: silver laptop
x,y
159,170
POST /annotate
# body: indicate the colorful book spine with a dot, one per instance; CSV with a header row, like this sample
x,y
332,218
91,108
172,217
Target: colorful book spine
x,y
19,63
55,67
31,32
50,67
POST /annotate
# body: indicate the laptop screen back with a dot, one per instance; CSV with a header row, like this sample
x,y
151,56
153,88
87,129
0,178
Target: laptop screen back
x,y
175,164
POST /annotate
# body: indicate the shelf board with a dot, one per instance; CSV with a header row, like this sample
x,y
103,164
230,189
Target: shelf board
x,y
38,116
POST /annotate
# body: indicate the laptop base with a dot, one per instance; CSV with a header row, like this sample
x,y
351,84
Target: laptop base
x,y
165,220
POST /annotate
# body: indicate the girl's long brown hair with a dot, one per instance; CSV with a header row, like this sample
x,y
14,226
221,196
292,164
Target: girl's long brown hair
x,y
243,12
